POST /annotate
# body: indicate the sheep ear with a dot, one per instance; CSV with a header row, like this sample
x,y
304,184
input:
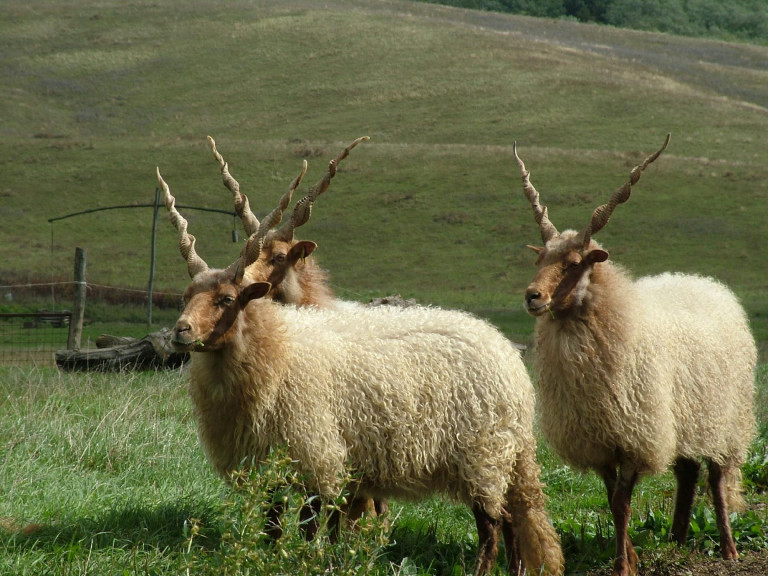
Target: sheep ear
x,y
301,250
254,291
536,249
595,256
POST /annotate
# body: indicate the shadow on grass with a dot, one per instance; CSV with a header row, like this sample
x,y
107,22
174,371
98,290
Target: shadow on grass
x,y
144,527
417,549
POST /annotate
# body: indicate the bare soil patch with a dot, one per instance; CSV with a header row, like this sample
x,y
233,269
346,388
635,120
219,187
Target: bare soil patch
x,y
681,563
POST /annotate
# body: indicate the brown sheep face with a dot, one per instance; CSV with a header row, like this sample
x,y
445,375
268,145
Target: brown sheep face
x,y
566,262
281,263
563,276
212,305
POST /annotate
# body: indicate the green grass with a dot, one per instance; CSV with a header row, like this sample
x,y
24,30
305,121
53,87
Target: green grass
x,y
107,465
110,470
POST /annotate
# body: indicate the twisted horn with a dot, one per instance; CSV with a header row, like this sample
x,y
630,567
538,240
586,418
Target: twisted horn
x,y
303,208
548,230
195,264
242,206
602,214
256,241
252,250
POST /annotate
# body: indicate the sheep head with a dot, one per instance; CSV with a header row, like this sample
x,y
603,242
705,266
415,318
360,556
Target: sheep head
x,y
213,302
214,299
280,264
273,254
566,261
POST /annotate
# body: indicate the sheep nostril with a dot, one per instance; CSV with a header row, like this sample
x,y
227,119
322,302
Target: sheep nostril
x,y
531,295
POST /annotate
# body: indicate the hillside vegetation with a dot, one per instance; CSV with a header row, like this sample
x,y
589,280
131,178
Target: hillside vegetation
x,y
744,20
97,94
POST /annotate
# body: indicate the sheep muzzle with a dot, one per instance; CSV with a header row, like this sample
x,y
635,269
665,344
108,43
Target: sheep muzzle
x,y
535,303
183,338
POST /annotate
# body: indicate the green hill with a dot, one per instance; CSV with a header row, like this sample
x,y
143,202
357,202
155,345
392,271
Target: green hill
x,y
96,94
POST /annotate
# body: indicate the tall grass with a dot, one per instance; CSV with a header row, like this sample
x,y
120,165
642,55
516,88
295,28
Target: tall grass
x,y
103,474
104,467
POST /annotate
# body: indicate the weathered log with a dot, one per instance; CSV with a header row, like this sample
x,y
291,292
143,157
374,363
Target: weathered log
x,y
110,341
153,352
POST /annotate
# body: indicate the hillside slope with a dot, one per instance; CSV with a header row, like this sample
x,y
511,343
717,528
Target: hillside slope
x,y
96,94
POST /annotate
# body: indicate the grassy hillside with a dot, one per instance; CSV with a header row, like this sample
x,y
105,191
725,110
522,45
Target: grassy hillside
x,y
96,94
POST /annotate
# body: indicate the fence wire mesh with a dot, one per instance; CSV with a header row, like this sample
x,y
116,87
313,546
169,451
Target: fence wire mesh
x,y
35,317
33,338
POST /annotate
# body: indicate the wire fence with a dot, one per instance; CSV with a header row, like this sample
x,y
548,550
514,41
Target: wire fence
x,y
35,317
33,338
31,332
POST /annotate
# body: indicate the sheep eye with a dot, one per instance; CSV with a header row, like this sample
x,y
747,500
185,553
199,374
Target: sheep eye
x,y
226,300
280,258
569,265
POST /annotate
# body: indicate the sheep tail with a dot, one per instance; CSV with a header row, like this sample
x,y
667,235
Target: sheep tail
x,y
734,489
530,538
538,544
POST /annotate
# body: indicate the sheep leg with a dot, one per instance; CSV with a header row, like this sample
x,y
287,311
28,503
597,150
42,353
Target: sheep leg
x,y
727,546
488,540
373,507
381,506
334,526
514,566
359,506
687,474
273,527
609,479
620,489
308,517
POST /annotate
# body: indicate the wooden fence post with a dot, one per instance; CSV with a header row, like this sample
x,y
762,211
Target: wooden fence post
x,y
78,309
152,259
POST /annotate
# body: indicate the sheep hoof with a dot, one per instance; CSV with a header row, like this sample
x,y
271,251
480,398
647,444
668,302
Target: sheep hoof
x,y
624,567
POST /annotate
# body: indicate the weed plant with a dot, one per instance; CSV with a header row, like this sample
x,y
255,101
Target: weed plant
x,y
245,546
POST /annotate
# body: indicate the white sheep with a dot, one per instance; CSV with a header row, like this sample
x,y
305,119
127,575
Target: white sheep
x,y
413,400
637,376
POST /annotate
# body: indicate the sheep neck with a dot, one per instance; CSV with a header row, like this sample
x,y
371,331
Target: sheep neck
x,y
589,333
306,285
234,389
254,359
577,362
